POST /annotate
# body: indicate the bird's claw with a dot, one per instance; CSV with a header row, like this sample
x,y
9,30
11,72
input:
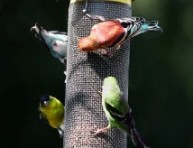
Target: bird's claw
x,y
105,52
95,17
99,92
99,131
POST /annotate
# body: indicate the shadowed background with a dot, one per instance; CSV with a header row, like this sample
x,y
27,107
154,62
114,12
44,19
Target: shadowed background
x,y
161,73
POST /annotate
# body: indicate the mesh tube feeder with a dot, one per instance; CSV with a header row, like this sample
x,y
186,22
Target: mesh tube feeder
x,y
86,71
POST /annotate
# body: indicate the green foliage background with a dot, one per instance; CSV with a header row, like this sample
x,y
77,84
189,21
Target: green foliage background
x,y
161,73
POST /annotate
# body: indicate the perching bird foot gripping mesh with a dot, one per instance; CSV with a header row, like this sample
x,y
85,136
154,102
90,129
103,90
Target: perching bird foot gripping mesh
x,y
84,113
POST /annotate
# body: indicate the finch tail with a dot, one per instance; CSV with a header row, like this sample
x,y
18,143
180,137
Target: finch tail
x,y
133,133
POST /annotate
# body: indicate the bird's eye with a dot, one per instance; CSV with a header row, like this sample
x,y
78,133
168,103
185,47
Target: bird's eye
x,y
45,103
124,24
55,44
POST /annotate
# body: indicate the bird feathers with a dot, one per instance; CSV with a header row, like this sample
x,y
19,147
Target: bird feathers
x,y
52,111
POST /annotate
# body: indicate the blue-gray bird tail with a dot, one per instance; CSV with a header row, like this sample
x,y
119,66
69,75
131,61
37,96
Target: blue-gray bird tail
x,y
37,29
153,26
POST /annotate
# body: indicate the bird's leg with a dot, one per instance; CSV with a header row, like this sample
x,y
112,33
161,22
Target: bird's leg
x,y
65,73
61,132
118,47
100,130
96,17
85,7
114,50
100,18
99,92
105,52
